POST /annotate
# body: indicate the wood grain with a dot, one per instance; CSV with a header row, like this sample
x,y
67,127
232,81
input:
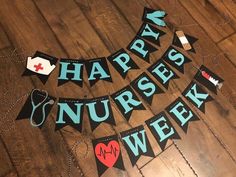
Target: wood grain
x,y
91,29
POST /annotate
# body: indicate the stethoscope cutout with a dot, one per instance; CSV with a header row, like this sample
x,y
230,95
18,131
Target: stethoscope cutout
x,y
35,106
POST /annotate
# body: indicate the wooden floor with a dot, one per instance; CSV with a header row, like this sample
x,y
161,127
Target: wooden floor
x,y
96,28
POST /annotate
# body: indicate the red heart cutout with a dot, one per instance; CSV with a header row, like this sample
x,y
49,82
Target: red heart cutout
x,y
109,154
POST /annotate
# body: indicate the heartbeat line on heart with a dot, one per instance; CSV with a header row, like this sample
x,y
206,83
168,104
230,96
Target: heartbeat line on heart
x,y
104,152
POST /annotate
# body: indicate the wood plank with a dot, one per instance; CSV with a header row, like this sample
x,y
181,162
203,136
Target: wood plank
x,y
169,164
228,45
11,174
201,148
3,39
5,162
226,8
209,19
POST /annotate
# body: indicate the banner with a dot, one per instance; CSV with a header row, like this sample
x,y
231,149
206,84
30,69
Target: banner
x,y
70,112
107,153
136,143
197,96
150,33
71,70
162,129
122,62
146,87
181,113
99,111
97,69
42,64
37,107
175,58
141,48
127,101
154,16
162,72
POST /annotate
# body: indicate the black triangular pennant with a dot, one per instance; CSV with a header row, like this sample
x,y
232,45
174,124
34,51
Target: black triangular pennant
x,y
122,62
181,113
162,129
162,72
41,65
99,111
154,16
97,69
136,143
37,107
184,41
71,70
146,87
127,101
141,48
175,58
209,79
197,96
150,33
70,112
107,153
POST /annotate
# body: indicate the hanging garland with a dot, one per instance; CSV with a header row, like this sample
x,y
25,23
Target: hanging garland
x,y
70,111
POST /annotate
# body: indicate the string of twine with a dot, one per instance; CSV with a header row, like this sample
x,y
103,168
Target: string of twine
x,y
72,158
4,117
186,160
